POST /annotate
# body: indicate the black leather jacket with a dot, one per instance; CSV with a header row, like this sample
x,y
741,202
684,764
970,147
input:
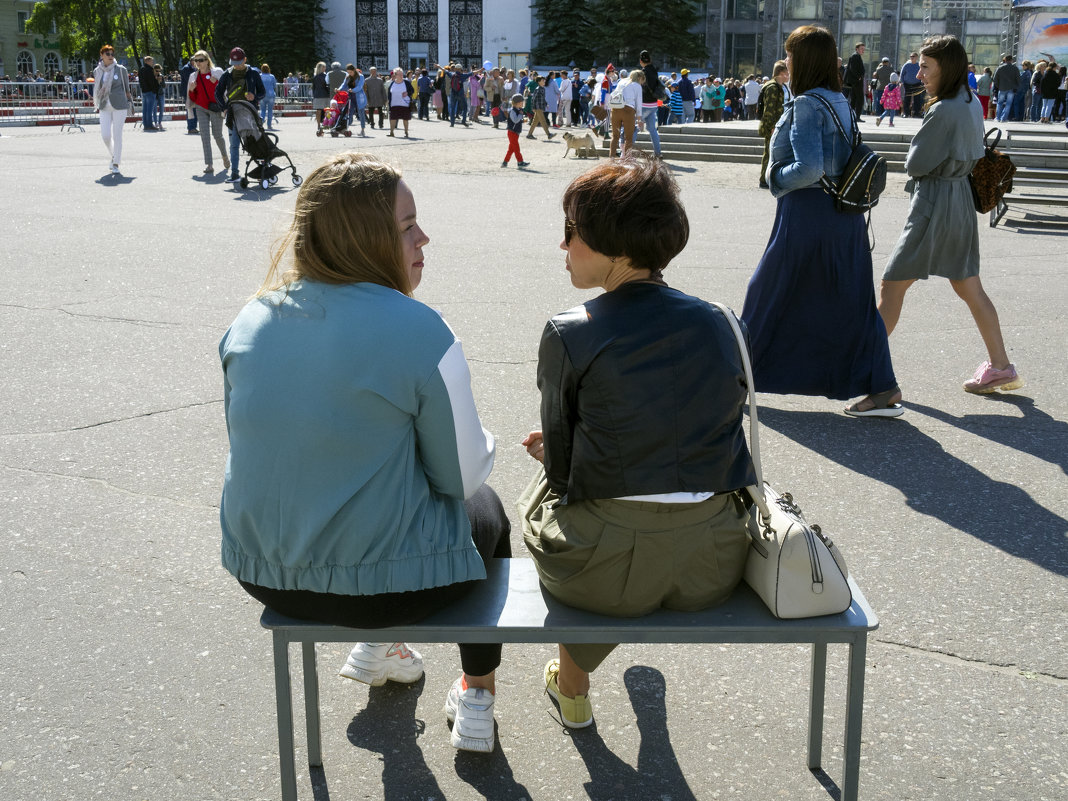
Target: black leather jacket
x,y
641,394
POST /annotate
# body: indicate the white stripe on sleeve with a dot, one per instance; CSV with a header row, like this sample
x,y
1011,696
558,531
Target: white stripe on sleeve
x,y
474,444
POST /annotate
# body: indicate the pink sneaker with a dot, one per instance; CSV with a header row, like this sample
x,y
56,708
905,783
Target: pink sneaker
x,y
987,380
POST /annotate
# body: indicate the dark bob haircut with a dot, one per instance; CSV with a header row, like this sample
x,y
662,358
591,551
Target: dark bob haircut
x,y
953,66
630,208
813,60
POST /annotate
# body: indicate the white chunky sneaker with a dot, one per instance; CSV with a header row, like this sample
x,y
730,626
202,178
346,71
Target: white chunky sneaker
x,y
470,711
376,663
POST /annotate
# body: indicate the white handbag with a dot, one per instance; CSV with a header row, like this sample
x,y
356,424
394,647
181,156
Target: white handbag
x,y
795,569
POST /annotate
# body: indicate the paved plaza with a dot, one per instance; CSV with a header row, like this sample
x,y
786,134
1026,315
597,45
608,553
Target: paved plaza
x,y
133,668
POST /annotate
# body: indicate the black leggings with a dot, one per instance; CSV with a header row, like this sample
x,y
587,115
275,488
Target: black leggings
x,y
489,529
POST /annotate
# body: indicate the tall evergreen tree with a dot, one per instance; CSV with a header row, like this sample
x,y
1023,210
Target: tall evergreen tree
x,y
566,32
671,30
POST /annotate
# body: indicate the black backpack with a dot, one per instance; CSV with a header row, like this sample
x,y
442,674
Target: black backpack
x,y
864,176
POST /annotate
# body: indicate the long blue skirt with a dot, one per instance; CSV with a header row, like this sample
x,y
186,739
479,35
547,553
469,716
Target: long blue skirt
x,y
810,306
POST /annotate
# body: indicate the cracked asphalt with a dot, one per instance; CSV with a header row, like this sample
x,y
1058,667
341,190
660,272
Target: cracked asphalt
x,y
133,667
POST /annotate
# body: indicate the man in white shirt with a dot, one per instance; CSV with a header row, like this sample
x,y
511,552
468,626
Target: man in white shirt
x,y
751,91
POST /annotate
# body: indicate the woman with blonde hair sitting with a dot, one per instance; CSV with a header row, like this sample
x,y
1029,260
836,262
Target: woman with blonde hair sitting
x,y
354,490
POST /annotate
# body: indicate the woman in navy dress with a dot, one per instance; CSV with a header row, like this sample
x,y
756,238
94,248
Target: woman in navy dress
x,y
810,306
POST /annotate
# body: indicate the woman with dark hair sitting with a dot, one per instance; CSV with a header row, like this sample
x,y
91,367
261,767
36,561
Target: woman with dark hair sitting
x,y
641,411
810,305
354,491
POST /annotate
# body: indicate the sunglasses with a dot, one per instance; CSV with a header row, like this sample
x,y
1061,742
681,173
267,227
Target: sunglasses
x,y
108,53
569,230
199,60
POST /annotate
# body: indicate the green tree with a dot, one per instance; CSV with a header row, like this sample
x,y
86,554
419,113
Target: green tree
x,y
83,26
663,27
566,32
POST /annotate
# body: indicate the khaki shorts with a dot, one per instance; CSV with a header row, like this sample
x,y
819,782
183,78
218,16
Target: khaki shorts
x,y
630,558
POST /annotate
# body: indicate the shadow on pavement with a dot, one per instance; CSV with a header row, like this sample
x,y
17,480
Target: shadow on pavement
x,y
387,726
657,774
936,483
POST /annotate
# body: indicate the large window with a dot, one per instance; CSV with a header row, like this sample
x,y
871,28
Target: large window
x,y
983,51
872,54
24,62
744,9
372,34
51,65
740,54
913,9
418,24
907,44
803,9
465,32
860,9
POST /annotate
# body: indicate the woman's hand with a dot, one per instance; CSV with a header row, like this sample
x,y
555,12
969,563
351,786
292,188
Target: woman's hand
x,y
535,445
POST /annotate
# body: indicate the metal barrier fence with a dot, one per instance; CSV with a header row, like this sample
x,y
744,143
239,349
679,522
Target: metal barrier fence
x,y
70,104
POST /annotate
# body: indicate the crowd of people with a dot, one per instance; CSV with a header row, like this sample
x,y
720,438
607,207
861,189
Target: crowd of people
x,y
375,510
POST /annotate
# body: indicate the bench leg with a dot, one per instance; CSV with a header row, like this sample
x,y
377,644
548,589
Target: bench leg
x,y
816,705
854,716
284,703
311,706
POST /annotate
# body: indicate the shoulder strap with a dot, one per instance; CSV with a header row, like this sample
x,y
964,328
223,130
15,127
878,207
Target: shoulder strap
x,y
756,492
854,140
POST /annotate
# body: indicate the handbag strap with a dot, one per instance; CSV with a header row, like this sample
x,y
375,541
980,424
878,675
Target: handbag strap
x,y
757,491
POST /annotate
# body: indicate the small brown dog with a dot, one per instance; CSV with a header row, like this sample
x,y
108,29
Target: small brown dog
x,y
582,145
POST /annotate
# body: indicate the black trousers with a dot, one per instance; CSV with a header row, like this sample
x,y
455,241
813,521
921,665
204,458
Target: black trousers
x,y
490,530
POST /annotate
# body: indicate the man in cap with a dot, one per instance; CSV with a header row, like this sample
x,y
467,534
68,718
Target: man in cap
x,y
650,89
146,77
1006,82
239,82
688,96
912,91
882,80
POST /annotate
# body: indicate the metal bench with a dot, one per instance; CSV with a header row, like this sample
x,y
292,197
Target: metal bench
x,y
511,607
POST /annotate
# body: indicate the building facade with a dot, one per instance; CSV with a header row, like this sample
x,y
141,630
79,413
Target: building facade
x,y
27,53
746,36
420,33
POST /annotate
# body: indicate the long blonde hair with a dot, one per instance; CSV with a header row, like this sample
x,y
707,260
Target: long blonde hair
x,y
344,228
204,53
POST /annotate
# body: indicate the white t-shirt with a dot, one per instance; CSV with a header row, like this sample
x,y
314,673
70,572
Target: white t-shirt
x,y
632,96
397,92
752,92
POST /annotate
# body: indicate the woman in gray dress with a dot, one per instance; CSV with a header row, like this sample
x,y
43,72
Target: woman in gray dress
x,y
941,236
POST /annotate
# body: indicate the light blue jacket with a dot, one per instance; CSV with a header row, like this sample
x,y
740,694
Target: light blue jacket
x,y
353,441
806,144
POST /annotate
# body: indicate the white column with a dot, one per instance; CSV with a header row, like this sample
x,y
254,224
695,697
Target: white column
x,y
443,32
339,19
393,34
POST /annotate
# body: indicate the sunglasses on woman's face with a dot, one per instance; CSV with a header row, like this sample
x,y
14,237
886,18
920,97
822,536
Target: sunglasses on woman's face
x,y
108,53
569,229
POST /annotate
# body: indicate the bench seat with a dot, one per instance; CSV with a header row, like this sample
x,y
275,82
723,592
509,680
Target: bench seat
x,y
512,607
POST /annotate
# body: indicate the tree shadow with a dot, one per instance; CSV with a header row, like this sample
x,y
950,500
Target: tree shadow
x,y
934,482
657,774
387,725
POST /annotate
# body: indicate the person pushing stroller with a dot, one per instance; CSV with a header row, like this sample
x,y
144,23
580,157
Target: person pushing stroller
x,y
239,82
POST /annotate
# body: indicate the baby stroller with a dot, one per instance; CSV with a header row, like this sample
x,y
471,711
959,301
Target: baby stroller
x,y
261,146
336,118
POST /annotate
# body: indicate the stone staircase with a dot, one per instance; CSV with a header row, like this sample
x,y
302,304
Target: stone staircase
x,y
1042,150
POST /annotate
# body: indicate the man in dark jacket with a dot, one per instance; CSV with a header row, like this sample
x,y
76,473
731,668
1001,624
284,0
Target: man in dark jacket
x,y
146,78
1006,82
688,97
183,89
239,82
854,79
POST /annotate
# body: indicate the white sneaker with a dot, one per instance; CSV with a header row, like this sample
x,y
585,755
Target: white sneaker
x,y
470,712
377,663
114,169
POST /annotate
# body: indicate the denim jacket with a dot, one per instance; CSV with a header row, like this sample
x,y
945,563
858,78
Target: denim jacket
x,y
806,144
